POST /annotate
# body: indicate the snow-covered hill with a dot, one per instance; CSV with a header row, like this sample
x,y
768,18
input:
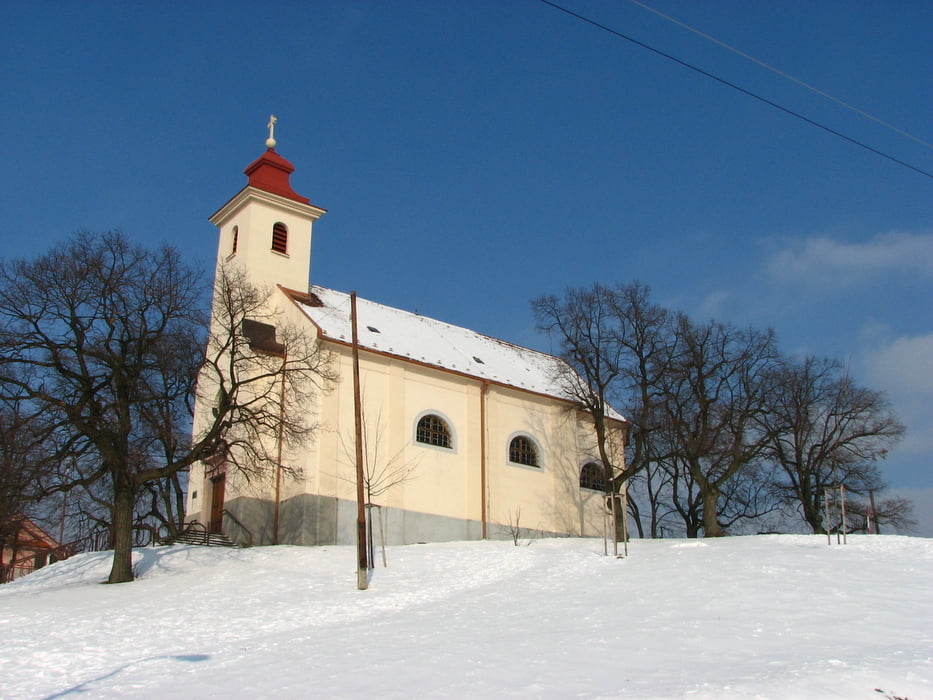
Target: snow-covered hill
x,y
745,617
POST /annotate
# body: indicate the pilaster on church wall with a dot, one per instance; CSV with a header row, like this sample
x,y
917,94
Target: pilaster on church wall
x,y
473,450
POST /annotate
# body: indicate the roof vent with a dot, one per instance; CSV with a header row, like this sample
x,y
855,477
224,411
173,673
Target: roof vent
x,y
476,359
373,329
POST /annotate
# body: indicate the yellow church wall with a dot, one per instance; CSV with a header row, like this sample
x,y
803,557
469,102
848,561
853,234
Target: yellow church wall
x,y
448,482
522,495
442,482
394,397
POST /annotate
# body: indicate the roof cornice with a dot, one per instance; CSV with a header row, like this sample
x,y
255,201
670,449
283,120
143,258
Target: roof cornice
x,y
250,193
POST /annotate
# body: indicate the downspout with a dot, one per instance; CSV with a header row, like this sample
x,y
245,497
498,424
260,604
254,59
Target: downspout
x,y
482,457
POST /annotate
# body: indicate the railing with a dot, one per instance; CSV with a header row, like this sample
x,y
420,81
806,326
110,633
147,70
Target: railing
x,y
97,541
193,532
249,535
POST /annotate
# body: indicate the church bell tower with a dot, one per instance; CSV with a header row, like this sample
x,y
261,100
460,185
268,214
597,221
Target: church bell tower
x,y
266,227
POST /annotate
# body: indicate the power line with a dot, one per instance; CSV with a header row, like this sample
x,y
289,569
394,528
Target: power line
x,y
778,71
749,93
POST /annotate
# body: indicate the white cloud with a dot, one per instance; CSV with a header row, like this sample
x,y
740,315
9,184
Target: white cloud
x,y
904,365
922,499
903,368
823,261
713,305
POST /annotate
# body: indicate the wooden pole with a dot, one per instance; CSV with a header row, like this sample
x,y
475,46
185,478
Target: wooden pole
x,y
606,532
362,572
829,530
842,500
836,508
615,526
382,537
61,531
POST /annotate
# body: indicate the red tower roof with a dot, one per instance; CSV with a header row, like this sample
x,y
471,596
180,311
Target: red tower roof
x,y
270,172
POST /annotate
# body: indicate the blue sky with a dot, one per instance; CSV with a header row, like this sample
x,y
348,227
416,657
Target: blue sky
x,y
472,155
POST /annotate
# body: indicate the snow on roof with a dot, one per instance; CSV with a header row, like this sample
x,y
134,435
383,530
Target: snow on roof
x,y
429,341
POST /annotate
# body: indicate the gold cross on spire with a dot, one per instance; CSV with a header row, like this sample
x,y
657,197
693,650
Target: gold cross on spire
x,y
270,142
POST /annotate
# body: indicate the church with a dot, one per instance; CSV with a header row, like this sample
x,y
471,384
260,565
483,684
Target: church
x,y
467,436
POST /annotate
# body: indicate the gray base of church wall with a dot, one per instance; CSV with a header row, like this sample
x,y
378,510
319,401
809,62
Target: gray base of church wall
x,y
251,522
310,519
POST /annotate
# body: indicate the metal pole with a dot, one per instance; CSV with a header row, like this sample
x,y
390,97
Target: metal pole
x,y
362,574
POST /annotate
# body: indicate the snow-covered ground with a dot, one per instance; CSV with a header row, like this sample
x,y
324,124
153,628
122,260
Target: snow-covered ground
x,y
746,617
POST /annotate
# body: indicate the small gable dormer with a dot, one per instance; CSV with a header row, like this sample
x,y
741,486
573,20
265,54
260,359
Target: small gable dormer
x,y
266,228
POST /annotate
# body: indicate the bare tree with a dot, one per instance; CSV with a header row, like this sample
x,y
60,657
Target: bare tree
x,y
750,495
381,472
513,526
649,500
681,492
583,323
615,343
23,458
892,513
260,376
714,391
646,333
721,430
104,340
823,430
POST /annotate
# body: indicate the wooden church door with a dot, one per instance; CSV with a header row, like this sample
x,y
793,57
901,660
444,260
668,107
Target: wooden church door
x,y
217,503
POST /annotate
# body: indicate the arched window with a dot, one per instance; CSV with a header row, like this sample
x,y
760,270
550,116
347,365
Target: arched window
x,y
593,476
433,430
280,237
522,450
236,237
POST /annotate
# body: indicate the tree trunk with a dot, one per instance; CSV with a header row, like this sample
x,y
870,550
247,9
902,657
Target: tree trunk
x,y
814,518
635,512
693,532
711,526
122,533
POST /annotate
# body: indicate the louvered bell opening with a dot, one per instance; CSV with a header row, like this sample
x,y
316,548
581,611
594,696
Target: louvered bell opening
x,y
279,238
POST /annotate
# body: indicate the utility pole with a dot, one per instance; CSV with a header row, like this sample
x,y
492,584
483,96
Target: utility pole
x,y
362,573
